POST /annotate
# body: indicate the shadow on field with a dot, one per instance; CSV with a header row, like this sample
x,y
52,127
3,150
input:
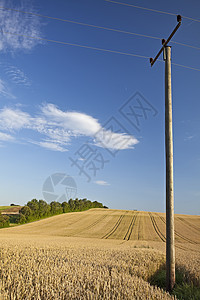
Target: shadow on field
x,y
186,287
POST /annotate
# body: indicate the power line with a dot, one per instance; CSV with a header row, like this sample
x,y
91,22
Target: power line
x,y
181,44
76,45
191,68
93,48
150,9
96,26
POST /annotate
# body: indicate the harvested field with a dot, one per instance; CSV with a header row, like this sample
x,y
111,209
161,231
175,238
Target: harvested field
x,y
10,210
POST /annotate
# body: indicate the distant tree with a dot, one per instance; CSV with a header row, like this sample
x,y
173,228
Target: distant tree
x,y
88,204
4,221
66,207
80,204
84,203
56,208
21,219
44,209
105,206
34,206
76,204
97,204
71,204
27,212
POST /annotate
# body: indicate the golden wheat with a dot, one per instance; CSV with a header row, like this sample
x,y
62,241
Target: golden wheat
x,y
62,269
97,254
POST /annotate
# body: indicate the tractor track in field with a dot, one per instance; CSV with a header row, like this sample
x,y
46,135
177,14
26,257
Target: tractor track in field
x,y
96,222
179,234
73,222
93,224
189,224
107,235
156,228
130,228
162,236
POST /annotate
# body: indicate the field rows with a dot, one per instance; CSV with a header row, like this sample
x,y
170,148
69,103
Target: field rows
x,y
113,224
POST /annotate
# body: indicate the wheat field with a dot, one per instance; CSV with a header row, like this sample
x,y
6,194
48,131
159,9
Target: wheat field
x,y
96,254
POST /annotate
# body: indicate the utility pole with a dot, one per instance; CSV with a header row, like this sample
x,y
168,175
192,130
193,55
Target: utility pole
x,y
170,245
170,248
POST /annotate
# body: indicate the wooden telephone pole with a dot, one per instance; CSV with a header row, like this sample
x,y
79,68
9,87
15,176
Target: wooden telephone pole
x,y
170,246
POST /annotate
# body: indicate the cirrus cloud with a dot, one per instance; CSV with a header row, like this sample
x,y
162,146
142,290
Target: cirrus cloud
x,y
15,26
4,91
17,76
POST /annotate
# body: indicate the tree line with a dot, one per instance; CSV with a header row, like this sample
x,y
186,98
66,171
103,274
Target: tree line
x,y
35,210
4,221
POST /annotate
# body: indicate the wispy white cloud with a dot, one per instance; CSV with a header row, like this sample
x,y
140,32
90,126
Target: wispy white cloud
x,y
57,128
6,137
17,76
112,140
50,146
13,119
189,137
4,91
12,74
20,25
102,182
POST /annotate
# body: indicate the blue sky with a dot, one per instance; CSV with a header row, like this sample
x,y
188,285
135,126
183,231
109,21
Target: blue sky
x,y
67,109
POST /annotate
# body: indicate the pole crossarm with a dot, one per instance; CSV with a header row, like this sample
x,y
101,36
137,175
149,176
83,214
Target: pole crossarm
x,y
165,42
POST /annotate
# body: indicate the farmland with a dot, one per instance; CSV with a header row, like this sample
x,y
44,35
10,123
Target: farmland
x,y
10,209
2,208
95,254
